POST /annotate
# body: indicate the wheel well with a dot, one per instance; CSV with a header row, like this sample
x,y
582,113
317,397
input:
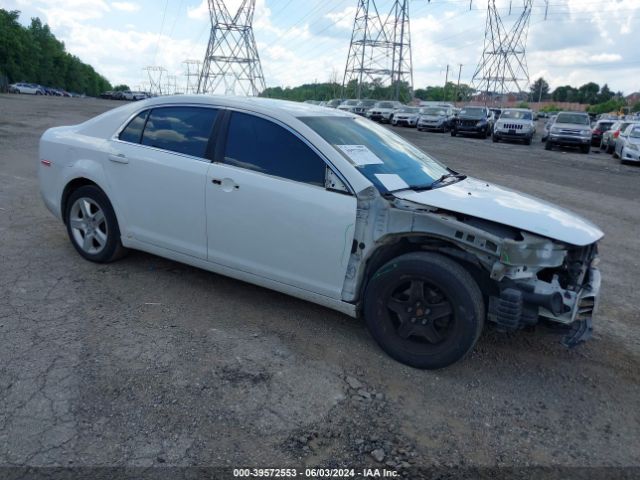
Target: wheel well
x,y
404,245
71,187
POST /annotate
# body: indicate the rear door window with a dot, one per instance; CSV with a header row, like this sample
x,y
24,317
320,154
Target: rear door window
x,y
133,132
180,129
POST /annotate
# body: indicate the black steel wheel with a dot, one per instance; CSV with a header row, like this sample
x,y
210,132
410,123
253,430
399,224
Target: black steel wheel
x,y
424,310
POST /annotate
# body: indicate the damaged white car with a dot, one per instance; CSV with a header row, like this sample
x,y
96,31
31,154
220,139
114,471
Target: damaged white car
x,y
325,206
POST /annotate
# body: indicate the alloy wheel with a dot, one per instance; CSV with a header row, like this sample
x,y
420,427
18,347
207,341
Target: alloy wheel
x,y
88,225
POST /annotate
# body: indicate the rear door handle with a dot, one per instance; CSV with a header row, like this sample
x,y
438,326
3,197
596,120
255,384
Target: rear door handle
x,y
119,158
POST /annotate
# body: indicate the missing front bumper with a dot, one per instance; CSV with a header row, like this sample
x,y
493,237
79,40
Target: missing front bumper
x,y
522,305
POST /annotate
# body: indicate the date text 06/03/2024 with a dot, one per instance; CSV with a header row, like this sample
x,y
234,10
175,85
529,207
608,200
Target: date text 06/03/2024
x,y
314,473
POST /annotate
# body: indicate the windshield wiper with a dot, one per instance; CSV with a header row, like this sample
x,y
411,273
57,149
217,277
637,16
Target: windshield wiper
x,y
443,179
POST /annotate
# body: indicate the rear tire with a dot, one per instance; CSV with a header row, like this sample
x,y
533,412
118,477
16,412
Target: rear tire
x,y
585,149
92,225
453,133
424,310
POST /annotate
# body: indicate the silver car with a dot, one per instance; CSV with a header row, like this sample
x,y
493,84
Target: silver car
x,y
626,147
570,129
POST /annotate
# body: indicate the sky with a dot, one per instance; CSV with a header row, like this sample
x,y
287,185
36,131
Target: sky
x,y
303,41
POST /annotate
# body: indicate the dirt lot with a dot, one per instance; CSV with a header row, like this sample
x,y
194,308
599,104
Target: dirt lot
x,y
149,362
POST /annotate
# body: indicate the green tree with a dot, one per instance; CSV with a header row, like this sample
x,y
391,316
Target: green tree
x,y
588,93
34,54
539,90
121,88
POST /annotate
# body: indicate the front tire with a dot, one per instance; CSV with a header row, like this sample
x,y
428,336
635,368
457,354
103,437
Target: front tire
x,y
424,310
548,145
585,149
453,133
92,225
495,138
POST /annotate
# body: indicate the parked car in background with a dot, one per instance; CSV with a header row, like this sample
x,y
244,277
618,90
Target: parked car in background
x,y
476,121
139,95
630,144
383,111
363,107
349,105
515,124
623,139
547,127
608,142
496,113
436,117
570,129
335,103
287,191
406,116
598,130
27,88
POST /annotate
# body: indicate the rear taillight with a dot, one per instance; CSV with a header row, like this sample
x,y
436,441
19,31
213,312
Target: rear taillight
x,y
616,133
46,163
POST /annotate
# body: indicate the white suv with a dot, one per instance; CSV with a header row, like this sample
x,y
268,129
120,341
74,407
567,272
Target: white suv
x,y
515,124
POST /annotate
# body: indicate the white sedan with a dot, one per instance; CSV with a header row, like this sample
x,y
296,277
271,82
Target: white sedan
x,y
326,206
28,88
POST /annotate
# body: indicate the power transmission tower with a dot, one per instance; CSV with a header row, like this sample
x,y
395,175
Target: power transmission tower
x,y
193,68
232,59
154,74
502,69
380,48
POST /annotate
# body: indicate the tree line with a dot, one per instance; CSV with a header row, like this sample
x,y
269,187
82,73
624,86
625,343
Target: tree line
x,y
600,99
33,54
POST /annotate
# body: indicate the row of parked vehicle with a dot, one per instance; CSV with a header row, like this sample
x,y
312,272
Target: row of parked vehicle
x,y
514,124
613,135
125,95
35,89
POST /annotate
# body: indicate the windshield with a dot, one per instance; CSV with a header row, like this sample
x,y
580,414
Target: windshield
x,y
351,102
434,111
516,115
385,105
575,118
367,103
408,110
635,132
334,103
386,159
472,112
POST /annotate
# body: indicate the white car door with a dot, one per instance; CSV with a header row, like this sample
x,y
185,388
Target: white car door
x,y
269,213
159,177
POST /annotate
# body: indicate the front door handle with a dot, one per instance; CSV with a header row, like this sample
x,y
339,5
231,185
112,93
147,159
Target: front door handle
x,y
119,158
226,184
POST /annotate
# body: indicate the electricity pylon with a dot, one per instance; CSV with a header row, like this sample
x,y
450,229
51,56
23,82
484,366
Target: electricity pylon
x,y
232,63
380,48
192,73
503,67
155,79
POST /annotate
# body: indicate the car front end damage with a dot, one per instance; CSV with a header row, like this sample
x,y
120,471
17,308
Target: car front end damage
x,y
526,279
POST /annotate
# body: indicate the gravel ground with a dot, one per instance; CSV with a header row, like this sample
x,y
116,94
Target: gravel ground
x,y
149,362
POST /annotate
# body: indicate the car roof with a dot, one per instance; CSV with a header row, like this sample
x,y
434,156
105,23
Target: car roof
x,y
268,106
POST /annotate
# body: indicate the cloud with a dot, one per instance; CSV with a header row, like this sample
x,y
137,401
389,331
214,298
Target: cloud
x,y
126,6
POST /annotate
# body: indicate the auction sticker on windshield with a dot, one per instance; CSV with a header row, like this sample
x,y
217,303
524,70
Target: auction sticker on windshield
x,y
391,181
359,154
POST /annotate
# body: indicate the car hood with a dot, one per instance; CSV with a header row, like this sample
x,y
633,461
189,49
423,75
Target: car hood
x,y
501,205
433,117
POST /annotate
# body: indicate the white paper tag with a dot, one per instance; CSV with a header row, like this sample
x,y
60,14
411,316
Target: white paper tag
x,y
360,154
391,181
